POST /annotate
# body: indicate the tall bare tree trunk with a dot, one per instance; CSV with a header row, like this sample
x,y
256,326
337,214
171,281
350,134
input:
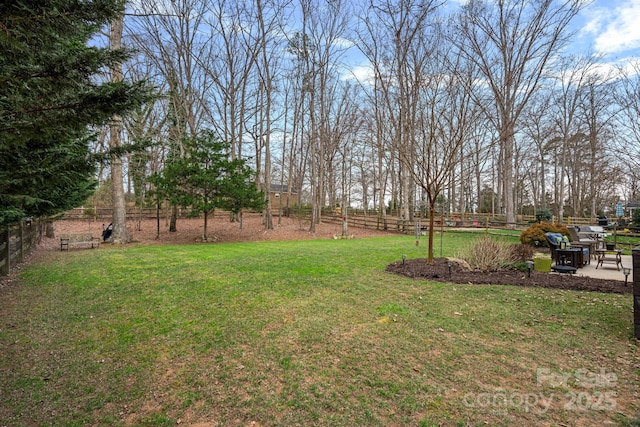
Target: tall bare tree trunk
x,y
267,81
508,144
206,225
119,218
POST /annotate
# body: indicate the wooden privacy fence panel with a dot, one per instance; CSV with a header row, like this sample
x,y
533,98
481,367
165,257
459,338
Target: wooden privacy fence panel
x,y
18,241
356,218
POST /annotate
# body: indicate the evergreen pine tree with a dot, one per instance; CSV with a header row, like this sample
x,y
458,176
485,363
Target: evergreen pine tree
x,y
51,94
206,178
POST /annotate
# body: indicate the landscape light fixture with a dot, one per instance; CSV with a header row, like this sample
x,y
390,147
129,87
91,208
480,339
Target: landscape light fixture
x,y
449,267
404,258
529,268
626,271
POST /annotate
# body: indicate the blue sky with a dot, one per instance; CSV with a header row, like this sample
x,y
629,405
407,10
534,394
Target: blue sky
x,y
610,27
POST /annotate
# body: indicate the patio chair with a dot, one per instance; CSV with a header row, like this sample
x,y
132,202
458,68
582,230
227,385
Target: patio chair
x,y
553,240
582,242
557,241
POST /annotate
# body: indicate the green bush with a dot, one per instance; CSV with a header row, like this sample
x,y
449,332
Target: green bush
x,y
543,215
534,235
520,266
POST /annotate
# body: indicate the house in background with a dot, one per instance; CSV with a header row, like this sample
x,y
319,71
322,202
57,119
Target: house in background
x,y
281,198
630,207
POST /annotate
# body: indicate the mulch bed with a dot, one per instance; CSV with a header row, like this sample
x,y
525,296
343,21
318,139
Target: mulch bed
x,y
439,271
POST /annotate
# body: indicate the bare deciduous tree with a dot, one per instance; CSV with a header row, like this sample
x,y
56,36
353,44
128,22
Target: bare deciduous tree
x,y
512,43
446,122
627,145
392,40
173,39
318,48
572,77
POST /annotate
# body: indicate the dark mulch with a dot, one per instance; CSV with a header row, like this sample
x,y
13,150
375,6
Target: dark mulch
x,y
439,271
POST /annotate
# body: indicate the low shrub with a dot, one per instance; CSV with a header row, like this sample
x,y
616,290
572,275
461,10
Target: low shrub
x,y
486,254
520,266
544,215
521,252
534,235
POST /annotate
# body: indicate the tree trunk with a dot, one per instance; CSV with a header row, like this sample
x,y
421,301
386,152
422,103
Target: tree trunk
x,y
206,223
158,221
432,215
174,219
119,219
345,223
50,233
508,188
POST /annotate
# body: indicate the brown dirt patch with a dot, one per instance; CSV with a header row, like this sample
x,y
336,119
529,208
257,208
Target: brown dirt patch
x,y
439,271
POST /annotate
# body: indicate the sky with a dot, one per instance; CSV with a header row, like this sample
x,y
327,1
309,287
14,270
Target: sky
x,y
610,27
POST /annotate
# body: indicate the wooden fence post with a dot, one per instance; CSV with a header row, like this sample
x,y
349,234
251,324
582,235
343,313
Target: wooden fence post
x,y
5,252
20,243
636,291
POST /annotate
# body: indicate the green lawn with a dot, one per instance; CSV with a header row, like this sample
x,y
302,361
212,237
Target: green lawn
x,y
304,333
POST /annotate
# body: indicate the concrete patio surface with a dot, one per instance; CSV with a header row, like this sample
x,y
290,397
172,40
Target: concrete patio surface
x,y
607,270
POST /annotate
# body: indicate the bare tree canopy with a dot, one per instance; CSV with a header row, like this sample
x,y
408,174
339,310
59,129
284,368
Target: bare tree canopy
x,y
512,43
412,108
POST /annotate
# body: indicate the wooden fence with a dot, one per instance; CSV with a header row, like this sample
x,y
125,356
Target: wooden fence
x,y
133,213
105,213
399,225
356,218
18,241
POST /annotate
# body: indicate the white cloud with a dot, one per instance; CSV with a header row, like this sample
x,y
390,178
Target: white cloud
x,y
362,73
615,27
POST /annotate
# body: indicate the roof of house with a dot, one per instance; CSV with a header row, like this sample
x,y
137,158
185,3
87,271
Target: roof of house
x,y
278,188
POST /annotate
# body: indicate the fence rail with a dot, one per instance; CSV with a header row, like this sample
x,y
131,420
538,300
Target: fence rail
x,y
134,213
451,219
356,217
18,241
399,225
395,224
103,213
